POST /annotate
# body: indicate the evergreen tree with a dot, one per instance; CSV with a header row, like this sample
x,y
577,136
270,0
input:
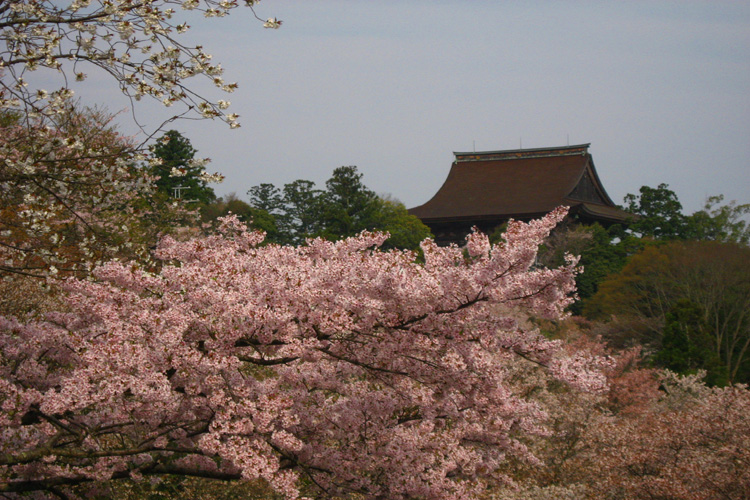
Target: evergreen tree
x,y
345,208
659,216
659,213
179,173
348,205
301,217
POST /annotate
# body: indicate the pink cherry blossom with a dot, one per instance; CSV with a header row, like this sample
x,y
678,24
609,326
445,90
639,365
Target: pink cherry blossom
x,y
353,369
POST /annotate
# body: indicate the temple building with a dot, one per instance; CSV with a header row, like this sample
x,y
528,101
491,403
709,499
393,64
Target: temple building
x,y
487,188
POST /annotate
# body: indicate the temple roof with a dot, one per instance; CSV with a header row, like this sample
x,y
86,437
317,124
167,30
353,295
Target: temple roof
x,y
520,184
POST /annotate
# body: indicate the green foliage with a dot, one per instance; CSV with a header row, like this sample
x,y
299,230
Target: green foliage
x,y
348,207
266,197
718,222
659,216
176,152
301,216
498,233
345,208
658,211
406,230
257,218
713,276
602,252
638,289
295,209
687,345
606,255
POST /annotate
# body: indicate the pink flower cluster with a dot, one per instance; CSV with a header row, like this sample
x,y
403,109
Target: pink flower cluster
x,y
356,369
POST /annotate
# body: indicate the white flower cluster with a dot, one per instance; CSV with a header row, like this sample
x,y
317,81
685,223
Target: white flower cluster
x,y
216,177
74,192
198,162
135,42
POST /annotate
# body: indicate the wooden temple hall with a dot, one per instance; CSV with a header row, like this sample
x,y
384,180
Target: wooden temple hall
x,y
487,188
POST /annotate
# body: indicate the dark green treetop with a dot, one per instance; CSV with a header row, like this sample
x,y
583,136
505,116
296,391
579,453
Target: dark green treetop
x,y
345,208
658,211
256,218
179,172
659,216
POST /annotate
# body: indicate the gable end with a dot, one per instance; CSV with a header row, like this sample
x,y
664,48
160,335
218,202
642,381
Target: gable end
x,y
586,190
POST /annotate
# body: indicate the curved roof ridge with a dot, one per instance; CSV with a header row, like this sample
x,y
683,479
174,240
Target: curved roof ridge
x,y
581,149
516,181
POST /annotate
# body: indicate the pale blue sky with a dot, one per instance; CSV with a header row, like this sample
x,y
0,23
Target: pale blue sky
x,y
660,89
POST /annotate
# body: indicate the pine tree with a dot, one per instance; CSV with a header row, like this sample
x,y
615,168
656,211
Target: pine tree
x,y
179,173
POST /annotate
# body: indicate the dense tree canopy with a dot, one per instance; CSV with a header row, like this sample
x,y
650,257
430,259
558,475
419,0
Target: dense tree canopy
x,y
659,216
345,208
71,196
602,252
687,343
256,218
659,213
714,277
349,368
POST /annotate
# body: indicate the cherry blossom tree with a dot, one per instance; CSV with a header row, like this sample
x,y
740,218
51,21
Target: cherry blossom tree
x,y
692,445
332,369
72,194
652,434
138,43
569,456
